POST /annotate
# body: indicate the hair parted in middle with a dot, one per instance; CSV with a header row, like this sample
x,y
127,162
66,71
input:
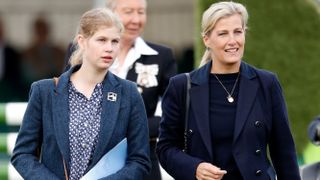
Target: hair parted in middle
x,y
90,22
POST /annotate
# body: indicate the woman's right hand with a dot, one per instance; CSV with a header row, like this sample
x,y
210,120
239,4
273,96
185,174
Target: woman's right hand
x,y
207,171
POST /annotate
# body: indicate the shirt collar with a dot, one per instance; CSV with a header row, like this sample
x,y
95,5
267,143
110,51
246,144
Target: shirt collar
x,y
139,48
143,48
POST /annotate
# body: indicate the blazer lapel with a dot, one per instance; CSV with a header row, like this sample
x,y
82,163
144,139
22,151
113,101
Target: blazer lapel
x,y
110,110
199,98
247,94
200,107
60,104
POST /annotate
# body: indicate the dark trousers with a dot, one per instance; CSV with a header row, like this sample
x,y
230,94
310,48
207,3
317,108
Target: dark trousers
x,y
155,169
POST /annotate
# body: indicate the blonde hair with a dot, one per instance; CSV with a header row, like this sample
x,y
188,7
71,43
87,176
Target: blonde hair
x,y
89,24
214,13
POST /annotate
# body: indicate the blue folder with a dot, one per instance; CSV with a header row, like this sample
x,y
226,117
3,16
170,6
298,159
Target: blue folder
x,y
110,163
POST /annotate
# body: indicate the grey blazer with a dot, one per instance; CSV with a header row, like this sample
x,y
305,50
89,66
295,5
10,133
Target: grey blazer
x,y
46,125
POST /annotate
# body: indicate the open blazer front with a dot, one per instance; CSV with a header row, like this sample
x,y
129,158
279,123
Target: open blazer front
x,y
46,124
261,121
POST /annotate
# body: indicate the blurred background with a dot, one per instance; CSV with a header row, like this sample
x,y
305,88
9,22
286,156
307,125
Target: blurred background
x,y
283,37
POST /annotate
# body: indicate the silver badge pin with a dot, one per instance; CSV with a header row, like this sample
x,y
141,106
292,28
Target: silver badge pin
x,y
112,96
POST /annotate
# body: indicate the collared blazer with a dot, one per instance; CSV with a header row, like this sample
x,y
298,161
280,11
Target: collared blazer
x,y
261,121
166,69
46,125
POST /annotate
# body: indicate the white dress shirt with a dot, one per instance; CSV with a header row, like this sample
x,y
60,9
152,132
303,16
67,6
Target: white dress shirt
x,y
139,48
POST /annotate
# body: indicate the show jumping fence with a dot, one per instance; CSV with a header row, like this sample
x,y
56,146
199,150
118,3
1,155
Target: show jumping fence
x,y
11,115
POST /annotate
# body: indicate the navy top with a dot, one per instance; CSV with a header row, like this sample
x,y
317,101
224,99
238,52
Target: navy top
x,y
84,128
222,121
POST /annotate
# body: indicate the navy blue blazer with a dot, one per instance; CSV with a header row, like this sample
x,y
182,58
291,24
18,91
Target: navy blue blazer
x,y
261,121
46,124
167,68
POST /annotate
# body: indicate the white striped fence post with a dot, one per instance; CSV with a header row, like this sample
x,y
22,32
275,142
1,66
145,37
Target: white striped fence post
x,y
7,141
8,172
11,114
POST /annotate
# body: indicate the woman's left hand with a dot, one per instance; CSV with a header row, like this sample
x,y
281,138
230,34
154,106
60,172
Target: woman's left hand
x,y
207,171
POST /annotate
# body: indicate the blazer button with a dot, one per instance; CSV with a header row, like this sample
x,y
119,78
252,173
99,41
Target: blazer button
x,y
257,124
258,152
258,172
190,131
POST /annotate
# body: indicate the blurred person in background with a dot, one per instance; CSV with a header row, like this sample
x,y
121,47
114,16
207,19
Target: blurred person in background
x,y
186,61
237,112
149,65
43,58
314,131
311,168
10,73
80,117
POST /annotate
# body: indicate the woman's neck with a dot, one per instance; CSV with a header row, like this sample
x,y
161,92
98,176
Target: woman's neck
x,y
125,47
225,69
86,78
91,75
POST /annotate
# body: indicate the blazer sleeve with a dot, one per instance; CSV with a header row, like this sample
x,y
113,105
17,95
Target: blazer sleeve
x,y
170,144
138,163
25,154
169,69
282,147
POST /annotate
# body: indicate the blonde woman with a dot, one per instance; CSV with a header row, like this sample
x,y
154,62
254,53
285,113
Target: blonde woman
x,y
147,64
236,112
